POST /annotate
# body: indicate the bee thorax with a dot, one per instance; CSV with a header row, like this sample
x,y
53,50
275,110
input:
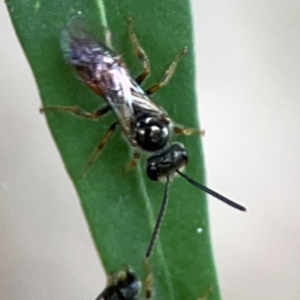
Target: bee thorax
x,y
152,134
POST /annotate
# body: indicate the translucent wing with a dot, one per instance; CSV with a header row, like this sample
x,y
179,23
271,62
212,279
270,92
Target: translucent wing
x,y
100,68
142,103
79,47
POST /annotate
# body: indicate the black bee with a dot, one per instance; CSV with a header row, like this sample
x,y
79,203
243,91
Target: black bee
x,y
146,125
124,285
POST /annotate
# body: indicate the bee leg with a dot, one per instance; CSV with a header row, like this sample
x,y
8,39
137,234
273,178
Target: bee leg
x,y
99,148
139,52
168,74
107,36
75,110
148,281
188,131
131,165
207,293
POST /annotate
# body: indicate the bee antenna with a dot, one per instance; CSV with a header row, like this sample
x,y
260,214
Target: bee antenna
x,y
211,192
159,218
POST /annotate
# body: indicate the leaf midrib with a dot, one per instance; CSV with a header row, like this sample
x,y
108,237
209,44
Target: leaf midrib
x,y
142,184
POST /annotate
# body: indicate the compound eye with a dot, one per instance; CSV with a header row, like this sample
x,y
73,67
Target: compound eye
x,y
167,162
151,133
152,172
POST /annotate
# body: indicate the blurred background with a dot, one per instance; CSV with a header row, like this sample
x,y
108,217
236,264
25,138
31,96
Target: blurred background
x,y
248,84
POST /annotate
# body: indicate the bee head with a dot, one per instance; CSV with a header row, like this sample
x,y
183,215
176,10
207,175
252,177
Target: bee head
x,y
162,167
128,285
152,134
167,162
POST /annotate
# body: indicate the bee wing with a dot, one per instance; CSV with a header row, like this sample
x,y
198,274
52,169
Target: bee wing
x,y
121,100
86,54
78,45
106,74
142,103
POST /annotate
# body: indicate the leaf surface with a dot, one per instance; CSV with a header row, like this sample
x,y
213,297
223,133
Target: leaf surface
x,y
120,208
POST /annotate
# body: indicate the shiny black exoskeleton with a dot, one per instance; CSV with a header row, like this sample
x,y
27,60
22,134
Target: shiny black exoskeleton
x,y
167,163
124,286
152,134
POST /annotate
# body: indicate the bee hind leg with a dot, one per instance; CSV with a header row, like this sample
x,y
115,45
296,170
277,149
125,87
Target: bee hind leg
x,y
99,148
108,39
77,111
139,52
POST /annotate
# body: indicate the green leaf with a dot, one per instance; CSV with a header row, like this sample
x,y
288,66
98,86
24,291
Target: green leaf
x,y
121,208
